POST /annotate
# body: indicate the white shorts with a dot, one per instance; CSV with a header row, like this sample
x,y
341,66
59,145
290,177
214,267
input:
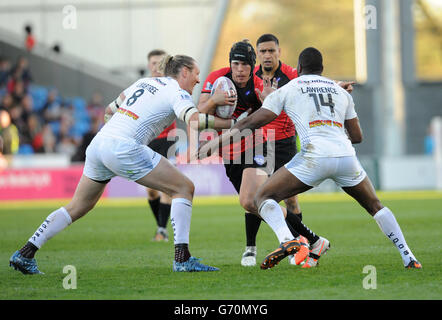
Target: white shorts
x,y
345,171
107,157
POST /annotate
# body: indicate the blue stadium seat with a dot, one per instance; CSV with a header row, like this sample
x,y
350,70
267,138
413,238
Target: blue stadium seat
x,y
25,149
39,96
79,104
55,126
2,92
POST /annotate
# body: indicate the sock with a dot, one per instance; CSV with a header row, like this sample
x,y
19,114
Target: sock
x,y
54,223
252,222
182,253
154,206
292,230
163,214
302,229
272,213
28,250
389,226
180,215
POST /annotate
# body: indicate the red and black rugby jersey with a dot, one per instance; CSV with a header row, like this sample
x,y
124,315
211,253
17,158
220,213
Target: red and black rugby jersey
x,y
282,125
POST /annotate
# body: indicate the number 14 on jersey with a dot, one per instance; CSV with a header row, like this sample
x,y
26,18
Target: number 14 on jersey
x,y
320,101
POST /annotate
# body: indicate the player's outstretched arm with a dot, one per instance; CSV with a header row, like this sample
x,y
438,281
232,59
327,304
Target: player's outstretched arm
x,y
256,120
259,118
354,130
200,121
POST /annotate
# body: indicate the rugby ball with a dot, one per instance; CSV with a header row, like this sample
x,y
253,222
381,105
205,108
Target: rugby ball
x,y
227,86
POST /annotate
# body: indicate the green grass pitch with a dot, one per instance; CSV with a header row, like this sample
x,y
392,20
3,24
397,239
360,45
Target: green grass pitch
x,y
114,257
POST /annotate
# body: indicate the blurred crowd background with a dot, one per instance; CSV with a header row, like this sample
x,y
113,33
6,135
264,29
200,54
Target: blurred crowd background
x,y
47,113
37,119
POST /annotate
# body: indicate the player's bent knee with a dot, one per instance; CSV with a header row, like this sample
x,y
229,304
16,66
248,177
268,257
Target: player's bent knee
x,y
263,194
152,194
185,188
76,211
247,202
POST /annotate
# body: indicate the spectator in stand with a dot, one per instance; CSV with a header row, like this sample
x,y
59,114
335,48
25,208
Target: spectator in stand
x,y
65,142
96,108
9,133
34,127
80,154
429,142
29,40
19,72
5,70
6,102
49,139
51,110
66,145
17,119
18,92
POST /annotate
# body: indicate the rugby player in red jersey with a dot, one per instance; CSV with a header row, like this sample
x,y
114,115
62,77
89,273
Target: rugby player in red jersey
x,y
245,177
278,74
247,163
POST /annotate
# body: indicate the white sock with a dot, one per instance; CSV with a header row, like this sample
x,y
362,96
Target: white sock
x,y
53,224
180,215
271,212
388,224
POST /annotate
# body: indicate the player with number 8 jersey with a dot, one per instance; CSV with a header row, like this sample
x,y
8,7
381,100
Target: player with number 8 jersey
x,y
120,148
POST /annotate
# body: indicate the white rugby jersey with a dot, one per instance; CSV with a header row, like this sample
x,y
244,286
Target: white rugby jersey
x,y
150,106
318,108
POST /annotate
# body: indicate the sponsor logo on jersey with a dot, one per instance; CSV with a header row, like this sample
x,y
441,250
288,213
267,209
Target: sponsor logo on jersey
x,y
128,113
329,123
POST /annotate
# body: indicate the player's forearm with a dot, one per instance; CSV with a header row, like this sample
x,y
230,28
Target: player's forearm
x,y
255,120
221,123
354,131
207,105
202,121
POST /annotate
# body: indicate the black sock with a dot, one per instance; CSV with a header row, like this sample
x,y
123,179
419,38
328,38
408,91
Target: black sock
x,y
28,250
292,230
163,214
154,205
182,253
252,226
301,228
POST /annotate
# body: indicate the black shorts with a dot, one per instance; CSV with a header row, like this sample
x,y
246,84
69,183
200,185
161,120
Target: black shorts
x,y
163,147
285,150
